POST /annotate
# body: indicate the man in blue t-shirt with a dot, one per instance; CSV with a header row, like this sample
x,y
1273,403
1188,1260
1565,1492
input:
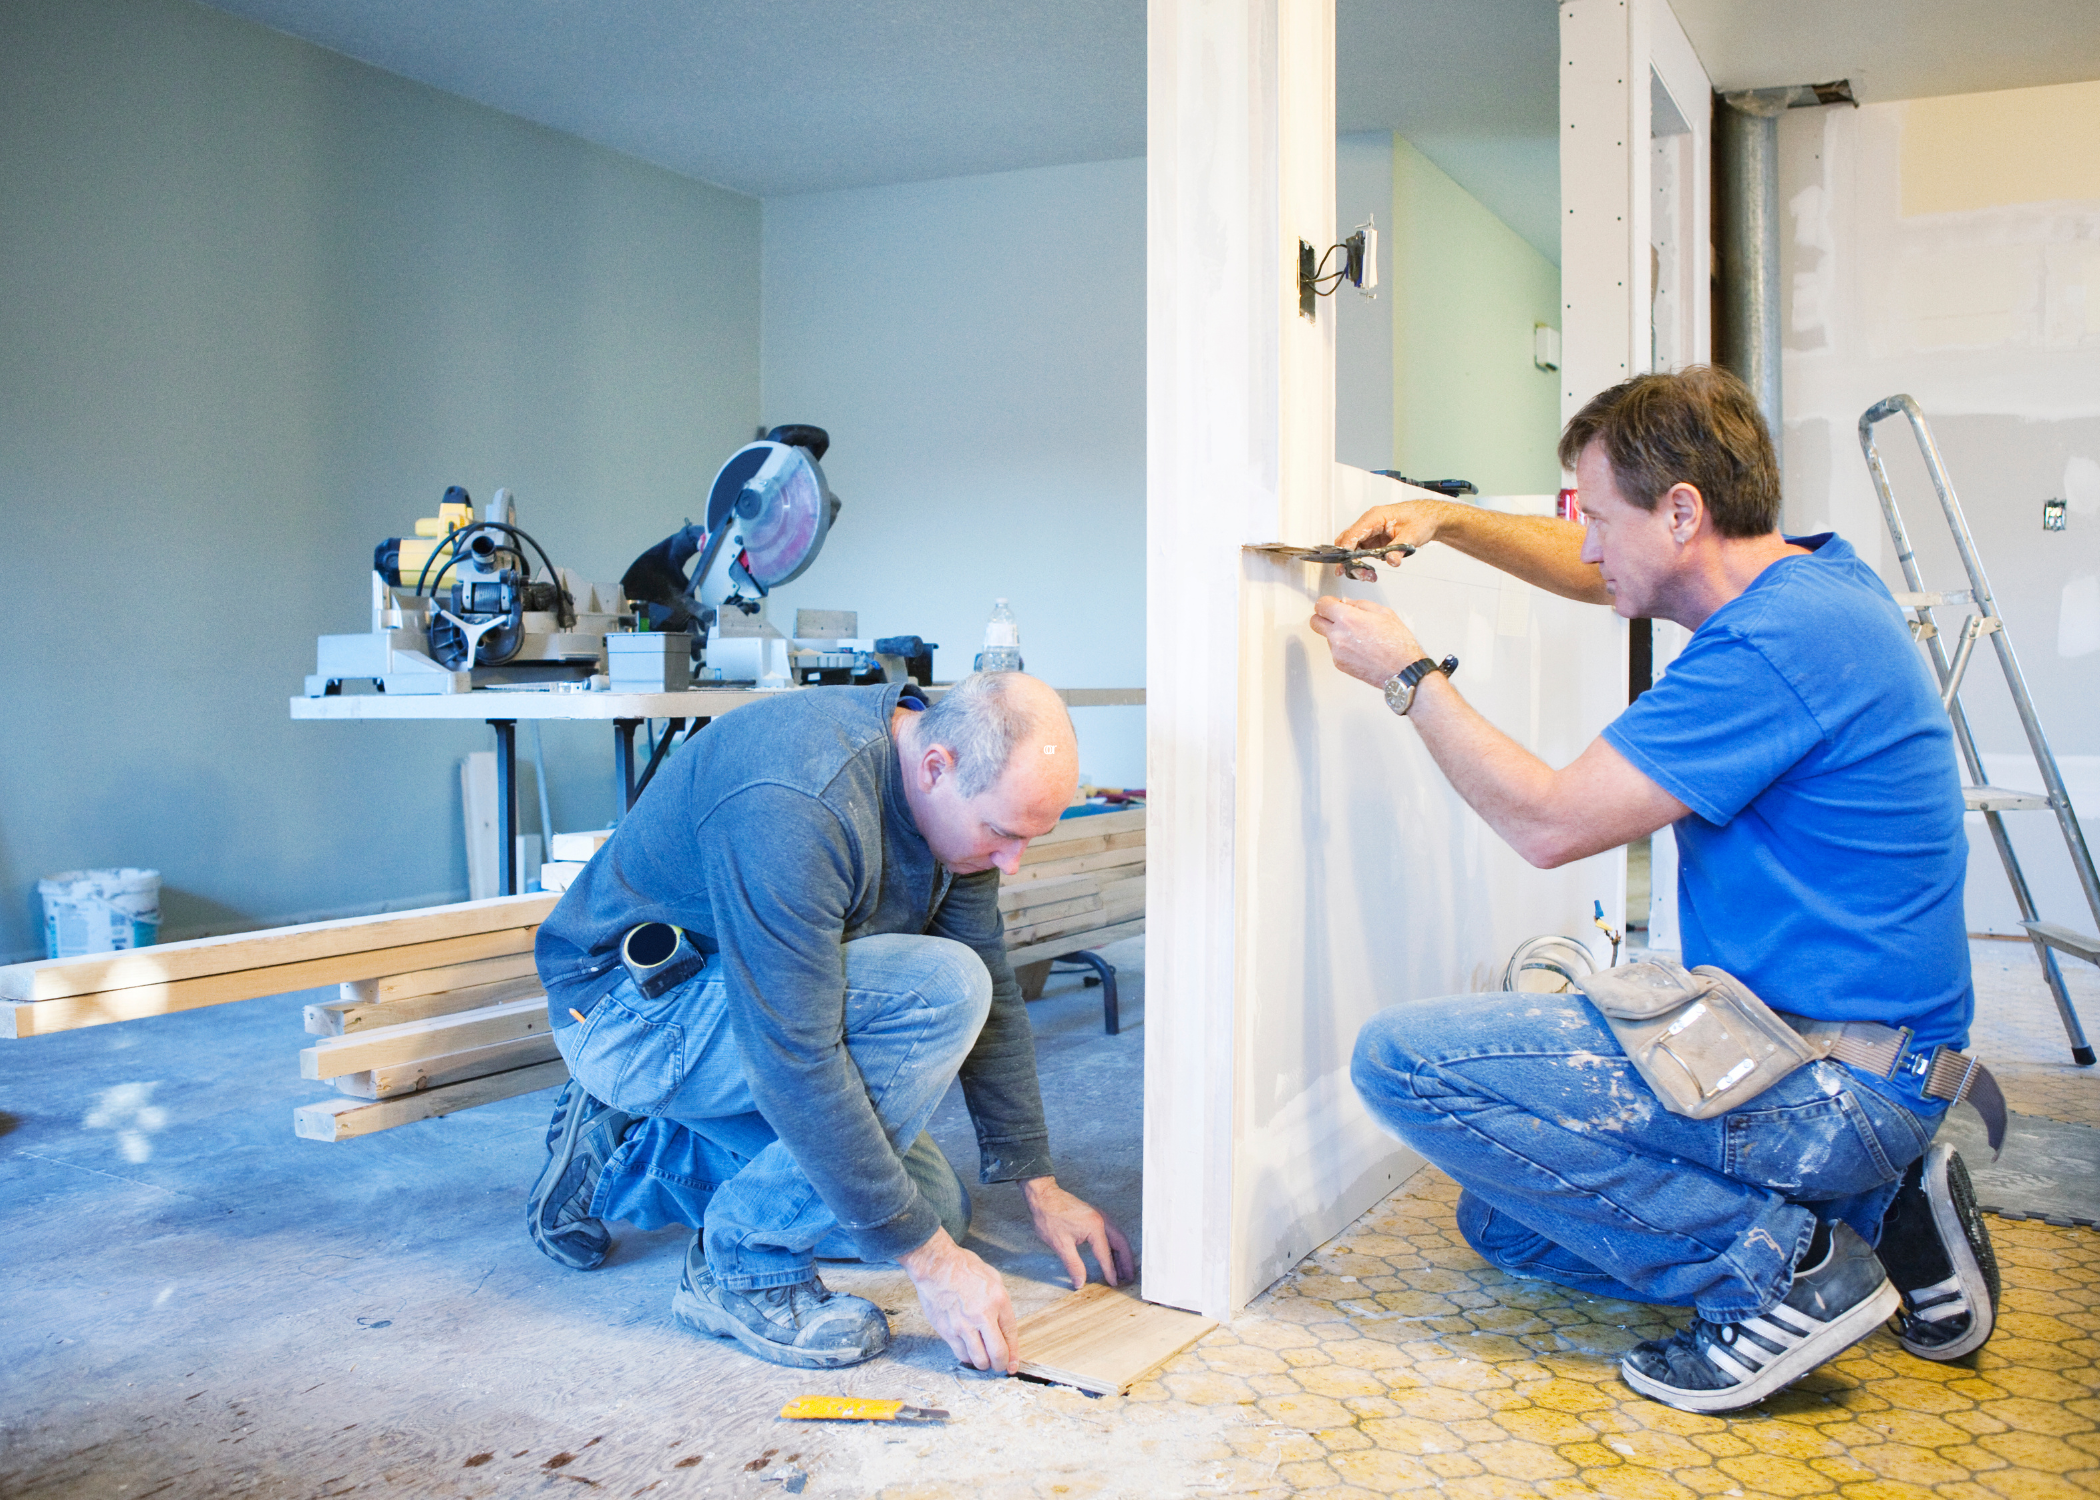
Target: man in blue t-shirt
x,y
1798,750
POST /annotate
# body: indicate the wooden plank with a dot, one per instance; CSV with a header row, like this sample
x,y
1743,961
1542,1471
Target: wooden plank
x,y
1094,825
1108,915
1092,938
279,947
1038,917
453,1067
331,1057
339,1017
1104,1340
1117,900
346,1119
1040,849
388,987
1043,892
37,1018
1053,869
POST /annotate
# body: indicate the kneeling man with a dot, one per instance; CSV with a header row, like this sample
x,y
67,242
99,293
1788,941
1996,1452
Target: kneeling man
x,y
1799,751
765,981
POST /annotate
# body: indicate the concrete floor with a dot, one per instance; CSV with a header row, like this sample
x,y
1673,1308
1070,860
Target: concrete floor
x,y
206,1306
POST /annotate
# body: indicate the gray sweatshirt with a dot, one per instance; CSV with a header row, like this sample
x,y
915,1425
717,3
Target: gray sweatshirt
x,y
773,836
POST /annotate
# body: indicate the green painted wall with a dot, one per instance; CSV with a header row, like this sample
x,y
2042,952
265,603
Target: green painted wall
x,y
1468,403
259,305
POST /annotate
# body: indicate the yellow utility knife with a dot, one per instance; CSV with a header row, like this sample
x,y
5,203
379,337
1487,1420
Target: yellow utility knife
x,y
853,1409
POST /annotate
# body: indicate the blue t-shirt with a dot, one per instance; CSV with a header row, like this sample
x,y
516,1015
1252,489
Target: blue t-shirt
x,y
1823,858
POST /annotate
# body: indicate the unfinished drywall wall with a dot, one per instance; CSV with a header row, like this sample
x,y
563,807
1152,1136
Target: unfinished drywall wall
x,y
975,346
262,305
1297,832
1467,290
1950,248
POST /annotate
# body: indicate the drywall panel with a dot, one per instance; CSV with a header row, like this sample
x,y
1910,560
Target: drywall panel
x,y
976,348
262,305
1368,879
1989,315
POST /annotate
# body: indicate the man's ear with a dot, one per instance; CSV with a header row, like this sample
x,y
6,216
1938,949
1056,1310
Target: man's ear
x,y
1687,511
934,762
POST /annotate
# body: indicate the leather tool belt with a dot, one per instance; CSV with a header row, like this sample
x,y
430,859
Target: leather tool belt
x,y
1705,1043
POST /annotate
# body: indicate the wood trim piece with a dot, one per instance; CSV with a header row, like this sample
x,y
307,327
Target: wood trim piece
x,y
415,1041
281,947
40,1017
1104,1340
346,1119
340,1017
452,1067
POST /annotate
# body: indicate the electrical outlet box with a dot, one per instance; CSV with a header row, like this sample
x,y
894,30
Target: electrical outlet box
x,y
1545,346
2055,515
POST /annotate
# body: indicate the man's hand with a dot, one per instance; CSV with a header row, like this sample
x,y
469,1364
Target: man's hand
x,y
1368,641
966,1303
1410,523
1065,1223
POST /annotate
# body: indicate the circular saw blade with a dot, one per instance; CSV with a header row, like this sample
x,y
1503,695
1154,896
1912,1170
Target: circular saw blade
x,y
785,536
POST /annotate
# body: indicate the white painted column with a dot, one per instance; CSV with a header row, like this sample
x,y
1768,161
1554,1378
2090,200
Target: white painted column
x,y
1240,393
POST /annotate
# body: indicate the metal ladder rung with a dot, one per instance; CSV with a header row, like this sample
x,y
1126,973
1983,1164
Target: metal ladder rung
x,y
1928,601
2064,940
2000,799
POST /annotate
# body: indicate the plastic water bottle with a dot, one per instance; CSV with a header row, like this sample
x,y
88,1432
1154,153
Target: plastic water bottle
x,y
1002,642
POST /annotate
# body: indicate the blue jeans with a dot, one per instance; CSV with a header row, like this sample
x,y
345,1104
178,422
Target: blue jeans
x,y
705,1156
1573,1171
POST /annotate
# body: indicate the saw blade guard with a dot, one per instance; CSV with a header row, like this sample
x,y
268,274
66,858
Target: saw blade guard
x,y
773,497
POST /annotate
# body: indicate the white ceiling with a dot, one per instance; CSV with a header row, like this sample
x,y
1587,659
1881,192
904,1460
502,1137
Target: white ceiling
x,y
776,97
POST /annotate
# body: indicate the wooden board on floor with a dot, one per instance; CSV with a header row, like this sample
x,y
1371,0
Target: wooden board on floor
x,y
436,981
346,1119
1057,947
1105,1340
452,1067
415,1041
279,947
340,1017
39,1017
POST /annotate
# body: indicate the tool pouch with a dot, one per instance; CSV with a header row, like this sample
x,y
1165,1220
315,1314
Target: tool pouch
x,y
1703,1042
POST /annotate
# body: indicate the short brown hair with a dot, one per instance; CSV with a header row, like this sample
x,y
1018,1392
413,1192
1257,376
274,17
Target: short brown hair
x,y
1700,427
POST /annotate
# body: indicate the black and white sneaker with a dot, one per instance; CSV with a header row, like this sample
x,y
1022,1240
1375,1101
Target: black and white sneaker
x,y
1938,1254
581,1138
1839,1295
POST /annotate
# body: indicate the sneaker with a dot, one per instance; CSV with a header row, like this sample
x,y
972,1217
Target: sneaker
x,y
1838,1297
805,1325
1938,1254
581,1138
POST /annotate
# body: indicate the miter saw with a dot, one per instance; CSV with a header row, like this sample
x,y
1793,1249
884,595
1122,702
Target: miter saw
x,y
768,514
461,605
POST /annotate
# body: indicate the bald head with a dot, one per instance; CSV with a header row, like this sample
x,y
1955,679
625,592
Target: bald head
x,y
1003,724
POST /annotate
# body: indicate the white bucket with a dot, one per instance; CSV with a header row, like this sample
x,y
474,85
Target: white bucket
x,y
99,911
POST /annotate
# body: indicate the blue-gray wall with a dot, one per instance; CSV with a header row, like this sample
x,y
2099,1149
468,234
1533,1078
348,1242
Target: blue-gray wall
x,y
259,305
976,348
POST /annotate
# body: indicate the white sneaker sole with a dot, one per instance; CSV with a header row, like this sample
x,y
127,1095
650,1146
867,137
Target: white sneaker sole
x,y
1954,1238
1835,1337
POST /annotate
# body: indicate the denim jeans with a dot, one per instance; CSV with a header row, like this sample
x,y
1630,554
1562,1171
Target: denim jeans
x,y
1573,1171
706,1156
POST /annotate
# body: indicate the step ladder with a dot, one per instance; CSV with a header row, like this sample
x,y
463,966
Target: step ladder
x,y
1993,802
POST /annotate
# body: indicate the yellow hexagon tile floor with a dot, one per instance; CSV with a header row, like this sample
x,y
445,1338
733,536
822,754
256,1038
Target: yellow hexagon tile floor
x,y
1395,1360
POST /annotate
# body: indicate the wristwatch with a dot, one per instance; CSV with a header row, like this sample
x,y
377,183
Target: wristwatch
x,y
1400,687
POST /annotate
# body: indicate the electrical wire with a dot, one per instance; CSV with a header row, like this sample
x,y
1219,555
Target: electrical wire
x,y
565,613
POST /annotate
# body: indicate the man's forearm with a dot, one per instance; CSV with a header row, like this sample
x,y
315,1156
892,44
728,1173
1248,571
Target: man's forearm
x,y
1538,549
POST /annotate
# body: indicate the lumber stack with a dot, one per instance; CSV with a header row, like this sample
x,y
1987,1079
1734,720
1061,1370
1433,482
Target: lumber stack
x,y
1079,886
413,1046
439,1009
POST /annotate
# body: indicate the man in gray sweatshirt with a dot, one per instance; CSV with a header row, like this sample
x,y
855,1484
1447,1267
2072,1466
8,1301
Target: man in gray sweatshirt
x,y
832,860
